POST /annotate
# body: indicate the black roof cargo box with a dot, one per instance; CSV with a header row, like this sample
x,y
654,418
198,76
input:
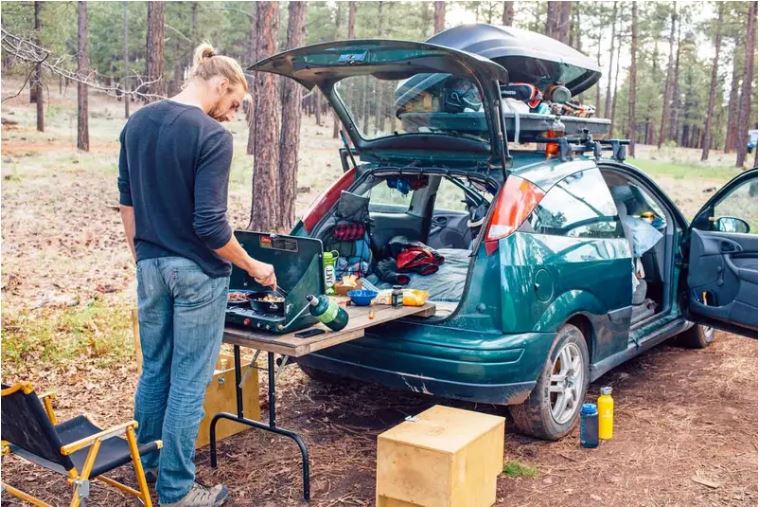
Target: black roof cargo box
x,y
528,56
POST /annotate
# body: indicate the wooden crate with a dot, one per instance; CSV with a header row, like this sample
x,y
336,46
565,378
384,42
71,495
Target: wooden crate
x,y
220,393
443,457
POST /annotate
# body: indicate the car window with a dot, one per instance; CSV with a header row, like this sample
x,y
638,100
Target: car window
x,y
382,196
450,197
741,203
579,206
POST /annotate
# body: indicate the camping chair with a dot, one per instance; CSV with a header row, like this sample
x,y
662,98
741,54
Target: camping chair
x,y
76,448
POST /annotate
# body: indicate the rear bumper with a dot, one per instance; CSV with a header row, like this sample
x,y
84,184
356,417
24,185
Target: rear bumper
x,y
499,394
465,365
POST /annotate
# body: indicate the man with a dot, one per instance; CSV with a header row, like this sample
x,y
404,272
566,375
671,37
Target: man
x,y
173,176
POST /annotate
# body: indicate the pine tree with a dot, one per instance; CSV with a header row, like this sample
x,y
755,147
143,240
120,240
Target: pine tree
x,y
83,67
707,134
667,96
265,207
632,83
745,103
439,19
154,50
291,122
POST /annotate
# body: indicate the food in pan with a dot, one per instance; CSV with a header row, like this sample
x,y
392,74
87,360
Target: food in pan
x,y
270,298
237,297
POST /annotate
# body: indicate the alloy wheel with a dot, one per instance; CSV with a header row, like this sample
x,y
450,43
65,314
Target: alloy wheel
x,y
566,383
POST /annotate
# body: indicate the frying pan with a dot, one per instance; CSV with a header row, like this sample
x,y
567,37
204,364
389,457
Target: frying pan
x,y
257,304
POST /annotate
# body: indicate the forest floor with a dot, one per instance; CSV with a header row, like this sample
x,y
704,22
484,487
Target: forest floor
x,y
686,420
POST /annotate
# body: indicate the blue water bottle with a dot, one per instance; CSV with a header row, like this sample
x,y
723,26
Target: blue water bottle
x,y
589,426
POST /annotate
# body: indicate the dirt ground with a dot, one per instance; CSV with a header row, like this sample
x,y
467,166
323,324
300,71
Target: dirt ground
x,y
686,420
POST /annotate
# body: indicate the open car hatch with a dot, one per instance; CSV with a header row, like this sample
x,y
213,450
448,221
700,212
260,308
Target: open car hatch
x,y
407,97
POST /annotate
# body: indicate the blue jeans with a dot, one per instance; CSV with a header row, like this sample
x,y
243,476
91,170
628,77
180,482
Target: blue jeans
x,y
181,315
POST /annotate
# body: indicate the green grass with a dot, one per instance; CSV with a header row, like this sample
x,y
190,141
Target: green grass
x,y
684,170
55,336
517,469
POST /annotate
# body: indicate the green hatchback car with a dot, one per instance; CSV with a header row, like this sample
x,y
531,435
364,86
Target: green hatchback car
x,y
556,268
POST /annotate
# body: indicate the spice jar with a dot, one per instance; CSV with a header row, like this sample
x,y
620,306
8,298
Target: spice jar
x,y
397,296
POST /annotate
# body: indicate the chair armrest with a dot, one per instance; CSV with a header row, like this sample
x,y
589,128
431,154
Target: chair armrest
x,y
102,435
47,401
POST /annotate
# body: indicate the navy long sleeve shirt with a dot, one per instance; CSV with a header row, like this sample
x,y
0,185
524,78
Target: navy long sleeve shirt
x,y
174,170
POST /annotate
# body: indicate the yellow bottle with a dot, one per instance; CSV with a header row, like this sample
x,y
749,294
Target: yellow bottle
x,y
606,408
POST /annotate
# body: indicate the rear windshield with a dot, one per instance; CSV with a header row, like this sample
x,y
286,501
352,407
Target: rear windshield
x,y
424,103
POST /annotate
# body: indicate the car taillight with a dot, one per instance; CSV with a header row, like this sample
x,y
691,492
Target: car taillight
x,y
326,201
514,202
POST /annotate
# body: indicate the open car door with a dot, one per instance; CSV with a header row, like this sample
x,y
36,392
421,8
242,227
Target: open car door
x,y
722,270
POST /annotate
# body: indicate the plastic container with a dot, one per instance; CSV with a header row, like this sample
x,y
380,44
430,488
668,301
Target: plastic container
x,y
415,297
329,259
589,426
606,412
362,297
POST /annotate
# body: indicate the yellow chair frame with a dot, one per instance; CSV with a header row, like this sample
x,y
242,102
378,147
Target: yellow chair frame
x,y
81,478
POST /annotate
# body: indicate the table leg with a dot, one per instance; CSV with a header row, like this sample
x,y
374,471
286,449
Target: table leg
x,y
271,424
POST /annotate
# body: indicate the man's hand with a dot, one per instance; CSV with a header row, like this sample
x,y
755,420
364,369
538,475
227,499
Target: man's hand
x,y
263,273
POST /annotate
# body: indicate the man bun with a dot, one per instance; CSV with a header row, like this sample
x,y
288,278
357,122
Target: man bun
x,y
203,52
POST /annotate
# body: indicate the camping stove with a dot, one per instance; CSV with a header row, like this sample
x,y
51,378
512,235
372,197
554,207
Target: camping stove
x,y
297,264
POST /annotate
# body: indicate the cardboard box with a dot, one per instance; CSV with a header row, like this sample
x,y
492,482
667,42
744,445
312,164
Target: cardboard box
x,y
443,457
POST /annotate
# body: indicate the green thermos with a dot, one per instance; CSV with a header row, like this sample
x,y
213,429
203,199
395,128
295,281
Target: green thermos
x,y
328,312
329,259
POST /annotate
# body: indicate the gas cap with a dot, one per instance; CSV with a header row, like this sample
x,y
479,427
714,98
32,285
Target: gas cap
x,y
543,285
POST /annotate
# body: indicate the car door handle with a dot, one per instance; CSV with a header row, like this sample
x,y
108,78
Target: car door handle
x,y
441,221
729,247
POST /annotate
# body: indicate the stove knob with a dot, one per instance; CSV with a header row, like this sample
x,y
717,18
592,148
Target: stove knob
x,y
258,324
268,327
246,322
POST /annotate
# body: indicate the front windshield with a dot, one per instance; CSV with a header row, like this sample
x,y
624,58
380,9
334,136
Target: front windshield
x,y
423,103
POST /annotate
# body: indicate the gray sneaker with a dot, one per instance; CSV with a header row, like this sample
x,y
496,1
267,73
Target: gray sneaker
x,y
202,496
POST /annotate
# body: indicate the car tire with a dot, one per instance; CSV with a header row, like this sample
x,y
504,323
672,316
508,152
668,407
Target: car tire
x,y
696,337
543,415
320,376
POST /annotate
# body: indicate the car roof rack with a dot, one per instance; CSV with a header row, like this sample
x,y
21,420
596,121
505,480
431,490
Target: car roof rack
x,y
569,145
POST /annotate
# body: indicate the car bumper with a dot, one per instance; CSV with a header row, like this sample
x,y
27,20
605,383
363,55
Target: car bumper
x,y
472,366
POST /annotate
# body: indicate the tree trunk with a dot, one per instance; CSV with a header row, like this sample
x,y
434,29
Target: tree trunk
x,y
598,100
125,81
558,21
37,78
508,16
439,18
608,96
336,121
351,20
83,67
666,99
250,147
745,104
265,207
733,99
318,106
154,50
613,106
632,83
291,122
379,89
675,107
707,139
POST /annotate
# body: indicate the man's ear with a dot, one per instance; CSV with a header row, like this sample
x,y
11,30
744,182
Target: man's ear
x,y
222,86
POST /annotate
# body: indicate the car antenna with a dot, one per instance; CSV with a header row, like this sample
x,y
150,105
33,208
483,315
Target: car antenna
x,y
347,147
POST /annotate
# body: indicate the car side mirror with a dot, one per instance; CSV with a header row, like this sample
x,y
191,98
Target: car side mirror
x,y
730,224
